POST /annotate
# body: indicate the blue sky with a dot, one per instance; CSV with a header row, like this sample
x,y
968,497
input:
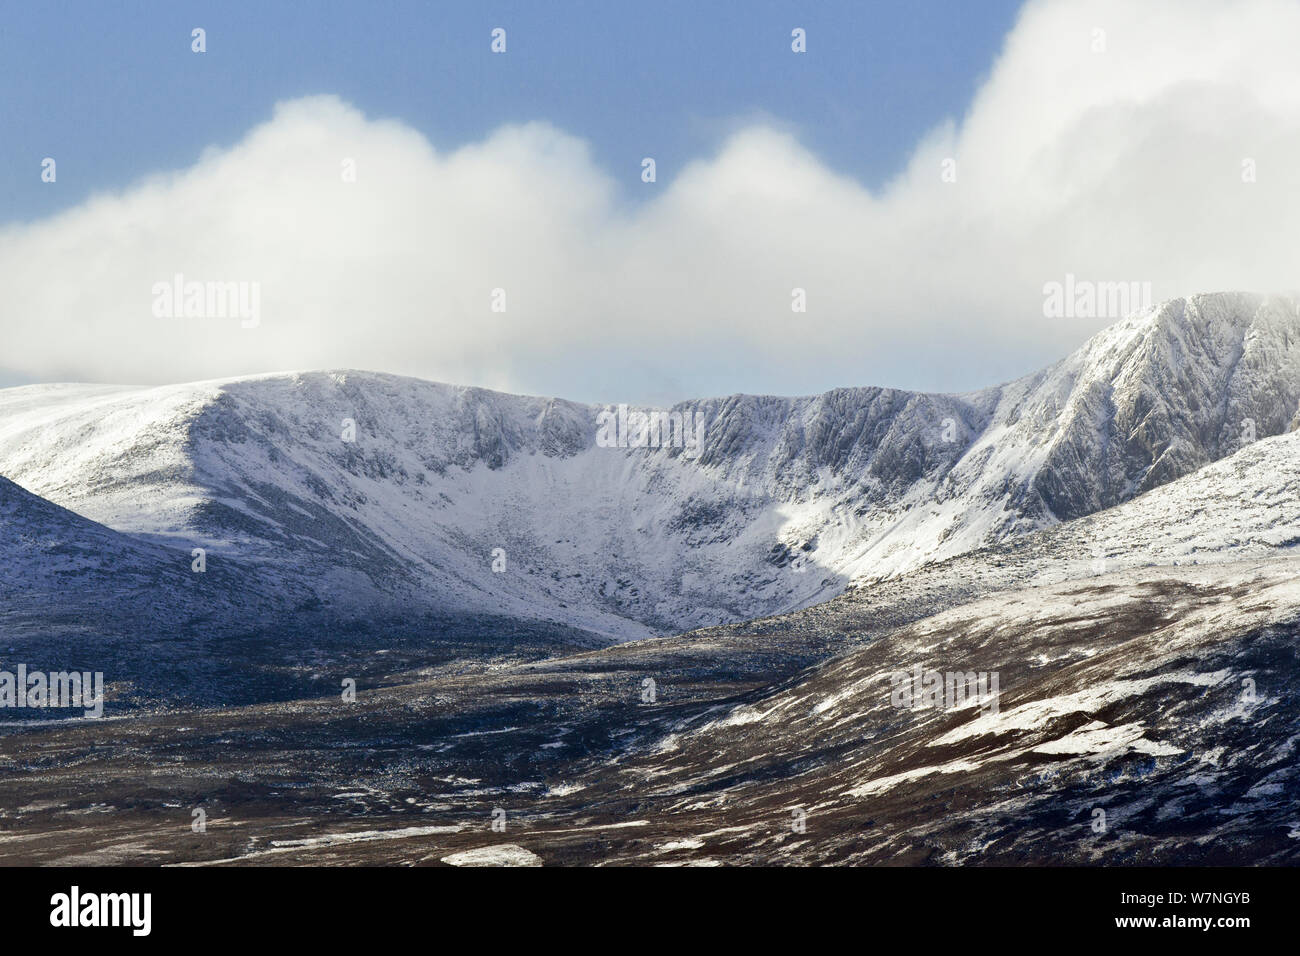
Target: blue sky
x,y
113,91
918,179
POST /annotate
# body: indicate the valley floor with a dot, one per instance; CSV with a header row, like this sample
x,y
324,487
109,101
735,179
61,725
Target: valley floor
x,y
1165,698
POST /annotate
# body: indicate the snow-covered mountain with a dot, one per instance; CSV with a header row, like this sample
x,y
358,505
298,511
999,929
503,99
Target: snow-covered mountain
x,y
378,491
1115,538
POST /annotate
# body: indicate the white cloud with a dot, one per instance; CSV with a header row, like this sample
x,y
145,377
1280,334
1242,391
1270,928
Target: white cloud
x,y
1116,165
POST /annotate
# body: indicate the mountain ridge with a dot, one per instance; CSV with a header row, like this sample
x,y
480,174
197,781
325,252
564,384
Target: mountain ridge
x,y
788,501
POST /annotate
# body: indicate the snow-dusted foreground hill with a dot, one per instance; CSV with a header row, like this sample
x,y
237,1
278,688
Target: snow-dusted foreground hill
x,y
1139,718
385,493
61,569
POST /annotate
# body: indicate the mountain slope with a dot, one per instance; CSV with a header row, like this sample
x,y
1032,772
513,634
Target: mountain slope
x,y
64,575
